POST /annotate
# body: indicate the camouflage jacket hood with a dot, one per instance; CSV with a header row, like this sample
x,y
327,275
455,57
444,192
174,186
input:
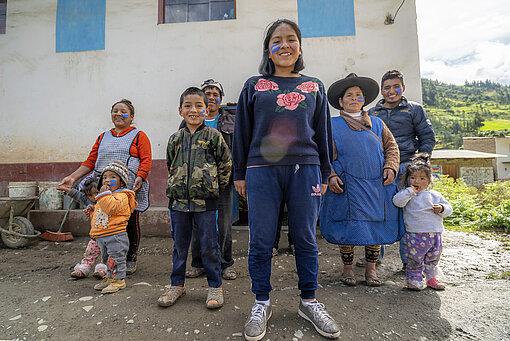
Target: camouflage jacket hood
x,y
199,167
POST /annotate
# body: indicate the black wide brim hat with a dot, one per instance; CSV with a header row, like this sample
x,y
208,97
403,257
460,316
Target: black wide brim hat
x,y
369,87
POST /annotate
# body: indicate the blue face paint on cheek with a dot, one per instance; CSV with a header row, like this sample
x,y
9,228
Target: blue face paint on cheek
x,y
125,115
274,48
113,182
203,113
361,99
218,100
399,91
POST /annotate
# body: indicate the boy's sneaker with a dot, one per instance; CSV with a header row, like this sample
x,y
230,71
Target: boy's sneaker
x,y
214,298
172,295
130,267
103,284
115,285
78,274
316,313
255,326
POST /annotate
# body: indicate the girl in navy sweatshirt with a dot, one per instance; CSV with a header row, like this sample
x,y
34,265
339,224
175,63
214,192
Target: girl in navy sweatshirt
x,y
282,151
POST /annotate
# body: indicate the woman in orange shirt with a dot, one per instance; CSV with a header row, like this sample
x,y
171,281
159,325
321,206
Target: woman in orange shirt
x,y
131,146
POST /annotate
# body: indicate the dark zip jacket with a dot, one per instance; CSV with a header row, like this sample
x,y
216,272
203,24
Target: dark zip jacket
x,y
199,167
410,126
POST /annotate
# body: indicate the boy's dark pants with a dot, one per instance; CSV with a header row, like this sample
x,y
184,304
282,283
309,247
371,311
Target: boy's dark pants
x,y
224,232
208,235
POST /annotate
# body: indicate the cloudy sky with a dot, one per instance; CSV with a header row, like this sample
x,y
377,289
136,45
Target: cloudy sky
x,y
464,40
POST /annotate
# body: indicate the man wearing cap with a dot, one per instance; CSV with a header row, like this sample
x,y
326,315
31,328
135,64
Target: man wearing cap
x,y
223,121
408,123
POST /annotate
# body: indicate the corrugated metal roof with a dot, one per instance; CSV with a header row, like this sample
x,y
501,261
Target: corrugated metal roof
x,y
462,154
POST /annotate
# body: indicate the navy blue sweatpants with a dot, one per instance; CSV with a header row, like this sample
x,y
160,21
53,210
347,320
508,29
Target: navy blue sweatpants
x,y
182,227
299,186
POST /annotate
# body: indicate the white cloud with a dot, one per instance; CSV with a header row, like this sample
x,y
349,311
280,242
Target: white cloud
x,y
464,40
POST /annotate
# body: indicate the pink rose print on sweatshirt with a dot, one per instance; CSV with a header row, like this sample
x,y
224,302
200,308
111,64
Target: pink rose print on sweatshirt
x,y
290,101
308,87
264,85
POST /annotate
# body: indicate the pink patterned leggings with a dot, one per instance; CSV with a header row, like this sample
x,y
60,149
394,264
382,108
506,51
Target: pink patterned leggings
x,y
89,257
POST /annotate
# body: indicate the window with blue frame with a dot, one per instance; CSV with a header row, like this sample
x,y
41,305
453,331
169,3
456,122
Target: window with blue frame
x,y
175,11
80,25
3,15
326,18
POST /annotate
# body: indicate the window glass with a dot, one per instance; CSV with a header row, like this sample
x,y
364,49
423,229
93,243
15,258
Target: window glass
x,y
197,10
221,10
176,13
3,15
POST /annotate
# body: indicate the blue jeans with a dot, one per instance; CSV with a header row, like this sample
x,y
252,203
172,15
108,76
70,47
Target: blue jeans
x,y
224,232
210,248
297,185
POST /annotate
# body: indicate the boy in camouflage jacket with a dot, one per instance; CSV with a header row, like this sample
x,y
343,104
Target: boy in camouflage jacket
x,y
199,167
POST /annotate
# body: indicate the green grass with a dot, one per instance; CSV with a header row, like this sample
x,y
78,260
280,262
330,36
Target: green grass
x,y
495,125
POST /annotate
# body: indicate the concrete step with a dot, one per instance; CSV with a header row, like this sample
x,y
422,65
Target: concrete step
x,y
153,222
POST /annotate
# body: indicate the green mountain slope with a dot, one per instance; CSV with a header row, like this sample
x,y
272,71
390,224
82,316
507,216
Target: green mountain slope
x,y
473,109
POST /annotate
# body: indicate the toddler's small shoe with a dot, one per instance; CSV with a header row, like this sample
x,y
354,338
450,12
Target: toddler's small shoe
x,y
214,298
115,285
435,284
99,271
103,284
415,285
77,274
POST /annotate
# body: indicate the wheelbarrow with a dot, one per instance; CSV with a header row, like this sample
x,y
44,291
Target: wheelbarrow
x,y
16,230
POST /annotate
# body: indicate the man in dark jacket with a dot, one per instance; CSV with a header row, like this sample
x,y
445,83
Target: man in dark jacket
x,y
224,122
408,123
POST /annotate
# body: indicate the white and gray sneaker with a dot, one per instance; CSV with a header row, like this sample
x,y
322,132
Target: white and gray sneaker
x,y
255,326
321,320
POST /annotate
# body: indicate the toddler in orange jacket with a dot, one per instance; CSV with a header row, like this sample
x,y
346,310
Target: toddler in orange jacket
x,y
115,203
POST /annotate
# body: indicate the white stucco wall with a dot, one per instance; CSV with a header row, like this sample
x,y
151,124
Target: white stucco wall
x,y
503,163
53,105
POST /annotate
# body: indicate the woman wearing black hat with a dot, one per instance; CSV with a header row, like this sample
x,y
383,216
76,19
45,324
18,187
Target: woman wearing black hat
x,y
357,208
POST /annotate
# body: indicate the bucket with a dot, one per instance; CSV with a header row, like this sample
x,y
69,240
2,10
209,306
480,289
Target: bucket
x,y
22,189
49,197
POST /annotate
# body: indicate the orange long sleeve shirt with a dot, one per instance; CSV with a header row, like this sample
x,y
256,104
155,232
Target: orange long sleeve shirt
x,y
141,148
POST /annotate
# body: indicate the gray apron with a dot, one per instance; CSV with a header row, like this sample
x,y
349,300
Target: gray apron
x,y
116,148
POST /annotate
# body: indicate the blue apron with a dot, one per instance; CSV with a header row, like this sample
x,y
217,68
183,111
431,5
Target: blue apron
x,y
364,213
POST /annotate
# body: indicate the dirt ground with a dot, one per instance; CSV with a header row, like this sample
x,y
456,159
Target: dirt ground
x,y
40,302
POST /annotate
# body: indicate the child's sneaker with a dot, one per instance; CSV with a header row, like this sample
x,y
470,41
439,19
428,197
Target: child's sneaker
x,y
316,313
115,285
103,284
214,298
415,285
172,295
77,274
435,284
99,271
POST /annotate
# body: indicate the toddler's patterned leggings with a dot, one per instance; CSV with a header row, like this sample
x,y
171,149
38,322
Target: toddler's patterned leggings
x,y
423,251
89,257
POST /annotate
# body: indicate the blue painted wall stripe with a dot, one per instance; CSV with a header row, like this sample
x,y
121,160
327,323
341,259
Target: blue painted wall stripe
x,y
80,25
326,18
